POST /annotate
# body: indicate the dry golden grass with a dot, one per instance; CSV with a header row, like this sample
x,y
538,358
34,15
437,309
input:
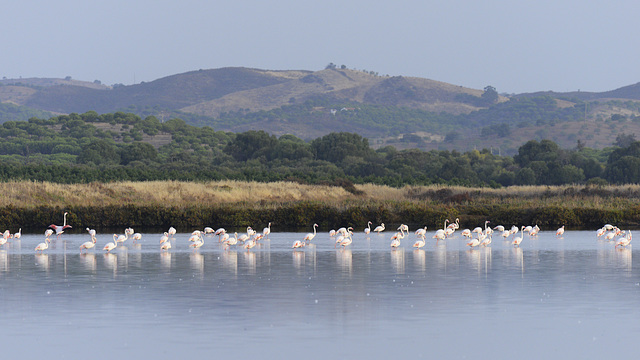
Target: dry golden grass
x,y
162,193
28,194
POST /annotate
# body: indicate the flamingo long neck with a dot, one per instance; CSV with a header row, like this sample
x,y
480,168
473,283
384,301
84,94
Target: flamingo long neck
x,y
65,220
314,229
445,224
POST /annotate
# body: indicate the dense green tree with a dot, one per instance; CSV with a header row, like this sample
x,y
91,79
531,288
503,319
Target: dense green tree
x,y
99,152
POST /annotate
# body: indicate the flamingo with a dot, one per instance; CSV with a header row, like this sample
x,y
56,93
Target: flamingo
x,y
610,236
608,227
92,232
128,231
420,242
379,228
454,225
208,230
422,231
225,237
499,228
250,244
624,241
3,241
395,239
197,243
266,231
560,231
43,245
165,246
60,229
243,237
164,238
48,232
6,235
230,240
367,230
487,241
518,240
474,242
534,231
600,232
18,234
298,244
89,244
123,238
111,245
135,237
332,233
514,229
250,231
466,233
172,231
346,241
310,236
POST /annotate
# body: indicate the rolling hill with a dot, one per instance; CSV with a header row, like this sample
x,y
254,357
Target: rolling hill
x,y
401,111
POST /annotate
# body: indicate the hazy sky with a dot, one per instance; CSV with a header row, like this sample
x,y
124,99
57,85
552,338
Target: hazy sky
x,y
515,46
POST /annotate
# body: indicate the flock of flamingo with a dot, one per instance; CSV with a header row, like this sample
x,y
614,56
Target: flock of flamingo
x,y
343,237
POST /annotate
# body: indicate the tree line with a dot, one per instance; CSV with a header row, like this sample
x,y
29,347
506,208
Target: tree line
x,y
81,148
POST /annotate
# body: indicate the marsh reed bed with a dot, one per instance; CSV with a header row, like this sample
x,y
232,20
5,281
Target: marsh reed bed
x,y
293,206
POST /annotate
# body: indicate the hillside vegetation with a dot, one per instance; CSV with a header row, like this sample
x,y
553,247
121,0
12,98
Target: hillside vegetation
x,y
84,148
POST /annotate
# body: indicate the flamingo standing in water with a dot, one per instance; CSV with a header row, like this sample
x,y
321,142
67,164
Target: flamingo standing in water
x,y
197,243
111,245
379,228
135,237
367,230
43,245
310,236
166,246
60,229
518,240
18,234
560,231
298,244
172,231
228,241
266,231
420,242
164,238
88,245
624,241
346,241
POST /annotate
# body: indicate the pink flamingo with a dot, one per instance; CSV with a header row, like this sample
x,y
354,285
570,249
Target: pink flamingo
x,y
88,245
43,245
367,230
111,245
310,236
60,229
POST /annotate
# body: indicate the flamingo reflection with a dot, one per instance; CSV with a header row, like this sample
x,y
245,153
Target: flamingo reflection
x,y
397,260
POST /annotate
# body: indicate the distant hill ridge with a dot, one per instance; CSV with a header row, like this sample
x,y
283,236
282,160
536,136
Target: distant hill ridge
x,y
391,110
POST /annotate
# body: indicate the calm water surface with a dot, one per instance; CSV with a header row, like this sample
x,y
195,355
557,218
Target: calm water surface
x,y
574,297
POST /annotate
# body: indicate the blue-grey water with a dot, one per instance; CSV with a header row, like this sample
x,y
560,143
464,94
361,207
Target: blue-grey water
x,y
575,296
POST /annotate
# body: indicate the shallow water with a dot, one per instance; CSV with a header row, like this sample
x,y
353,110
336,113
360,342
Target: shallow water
x,y
574,296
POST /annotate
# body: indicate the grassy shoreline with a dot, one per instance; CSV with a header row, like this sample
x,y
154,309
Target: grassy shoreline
x,y
293,206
